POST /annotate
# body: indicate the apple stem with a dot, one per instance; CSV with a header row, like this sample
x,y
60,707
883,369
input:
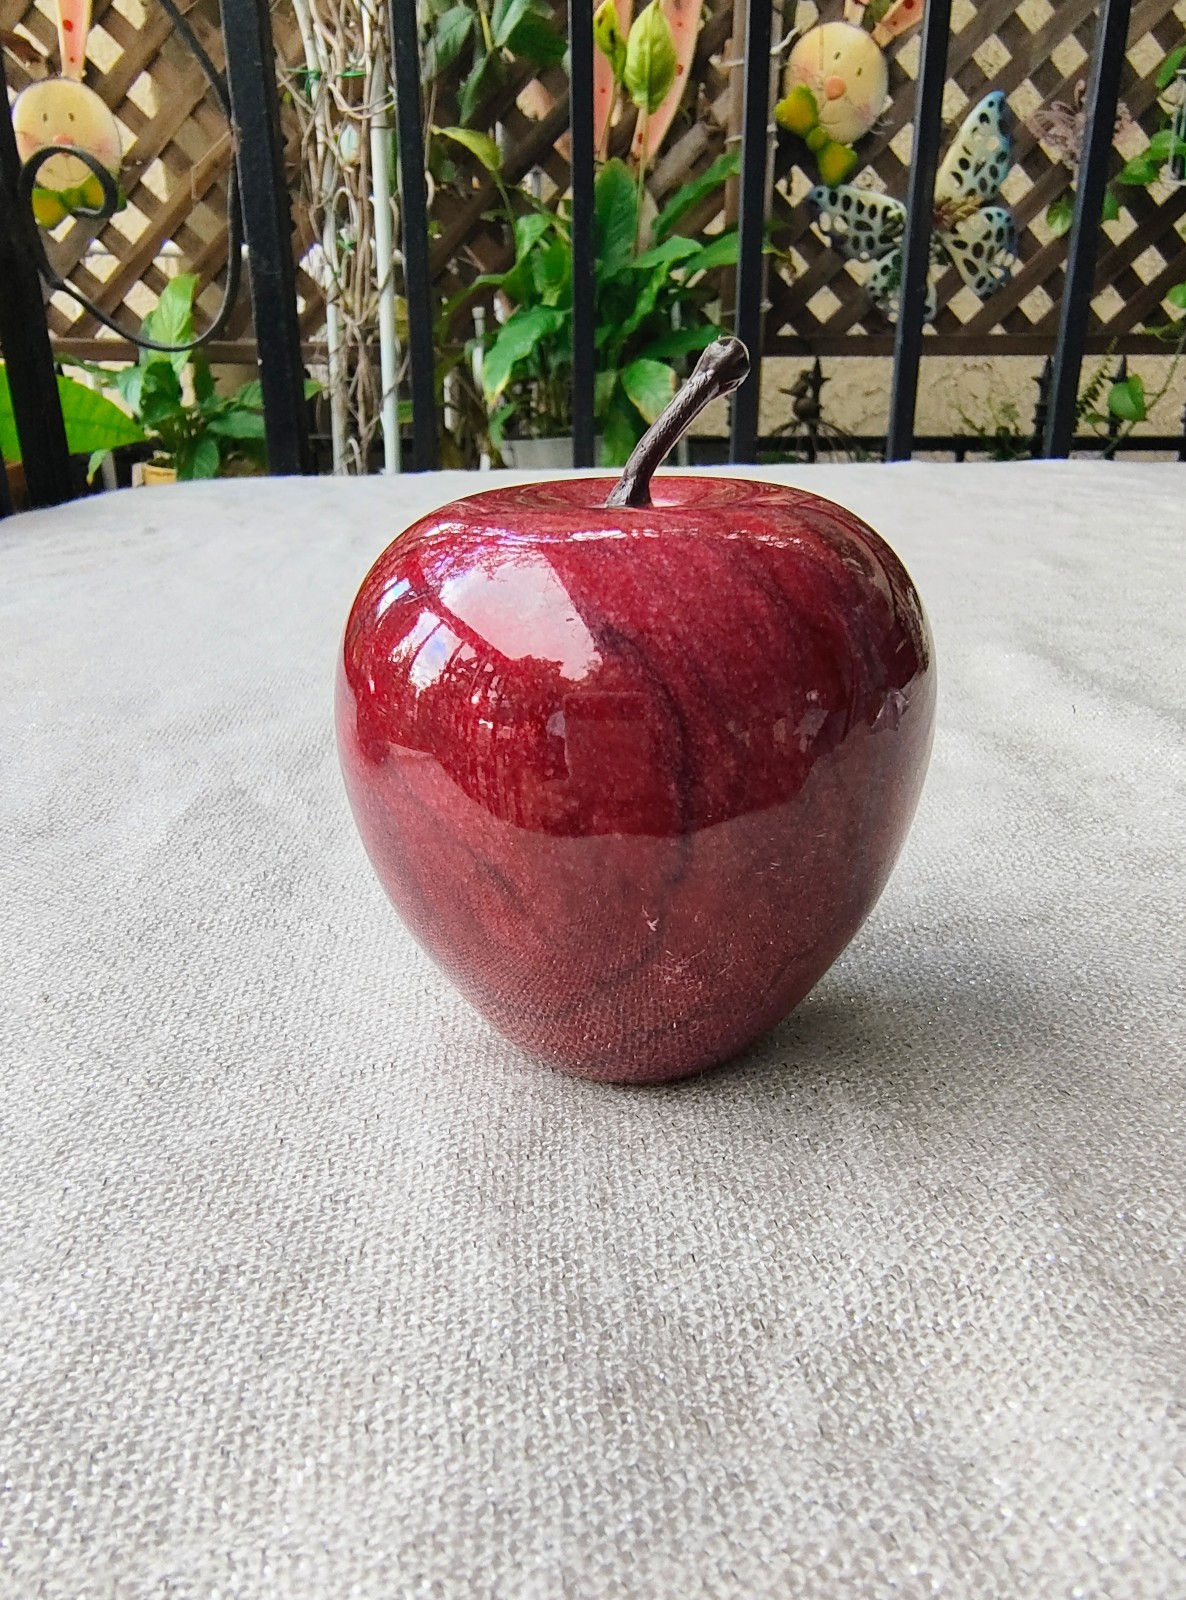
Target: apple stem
x,y
721,368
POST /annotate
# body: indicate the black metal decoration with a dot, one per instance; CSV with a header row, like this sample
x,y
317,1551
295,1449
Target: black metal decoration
x,y
251,80
1103,90
751,223
24,337
413,189
111,201
916,246
584,258
1041,406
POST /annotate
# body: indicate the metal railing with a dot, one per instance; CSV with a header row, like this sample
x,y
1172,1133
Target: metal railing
x,y
267,232
1057,440
250,95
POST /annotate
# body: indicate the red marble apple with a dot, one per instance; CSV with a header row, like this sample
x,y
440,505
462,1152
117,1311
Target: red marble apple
x,y
634,766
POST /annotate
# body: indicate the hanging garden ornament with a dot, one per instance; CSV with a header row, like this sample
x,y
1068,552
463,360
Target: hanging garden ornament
x,y
971,230
837,84
59,123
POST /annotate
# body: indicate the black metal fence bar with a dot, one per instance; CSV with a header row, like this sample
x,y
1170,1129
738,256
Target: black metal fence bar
x,y
916,245
413,191
584,262
267,226
751,223
1103,90
24,337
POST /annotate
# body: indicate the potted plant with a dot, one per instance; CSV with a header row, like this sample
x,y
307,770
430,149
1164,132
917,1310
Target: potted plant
x,y
93,424
654,305
195,431
655,296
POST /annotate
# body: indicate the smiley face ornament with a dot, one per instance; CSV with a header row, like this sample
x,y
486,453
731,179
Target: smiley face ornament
x,y
837,82
67,139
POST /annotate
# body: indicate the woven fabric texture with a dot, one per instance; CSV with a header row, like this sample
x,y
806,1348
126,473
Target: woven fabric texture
x,y
311,1286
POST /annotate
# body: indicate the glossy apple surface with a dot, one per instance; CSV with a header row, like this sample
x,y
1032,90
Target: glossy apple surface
x,y
635,777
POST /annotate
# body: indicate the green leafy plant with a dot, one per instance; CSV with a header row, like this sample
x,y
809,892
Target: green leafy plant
x,y
93,422
653,306
1125,400
481,40
200,434
1141,170
1002,434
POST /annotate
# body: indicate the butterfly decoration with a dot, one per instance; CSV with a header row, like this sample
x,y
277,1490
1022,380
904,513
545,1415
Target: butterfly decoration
x,y
54,118
971,231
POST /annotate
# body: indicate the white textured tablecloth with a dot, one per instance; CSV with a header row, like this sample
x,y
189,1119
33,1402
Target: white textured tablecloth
x,y
312,1286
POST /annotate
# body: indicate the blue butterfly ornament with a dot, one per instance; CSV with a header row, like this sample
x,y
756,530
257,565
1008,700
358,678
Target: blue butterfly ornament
x,y
971,230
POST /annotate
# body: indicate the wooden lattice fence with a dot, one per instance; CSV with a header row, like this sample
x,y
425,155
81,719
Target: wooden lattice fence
x,y
179,152
178,156
1037,53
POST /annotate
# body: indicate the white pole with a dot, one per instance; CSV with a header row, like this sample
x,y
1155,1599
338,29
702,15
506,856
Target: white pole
x,y
384,249
318,65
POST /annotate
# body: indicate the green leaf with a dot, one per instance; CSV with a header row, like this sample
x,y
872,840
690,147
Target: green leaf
x,y
551,271
203,378
1126,400
642,308
201,459
171,321
649,385
680,342
160,382
518,338
447,38
1139,172
535,39
1060,214
529,230
1163,146
238,423
665,254
252,394
127,383
498,423
519,283
620,432
694,191
609,38
616,201
720,251
604,388
650,59
1177,297
160,395
478,144
94,424
1111,208
1168,70
484,77
94,461
506,17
